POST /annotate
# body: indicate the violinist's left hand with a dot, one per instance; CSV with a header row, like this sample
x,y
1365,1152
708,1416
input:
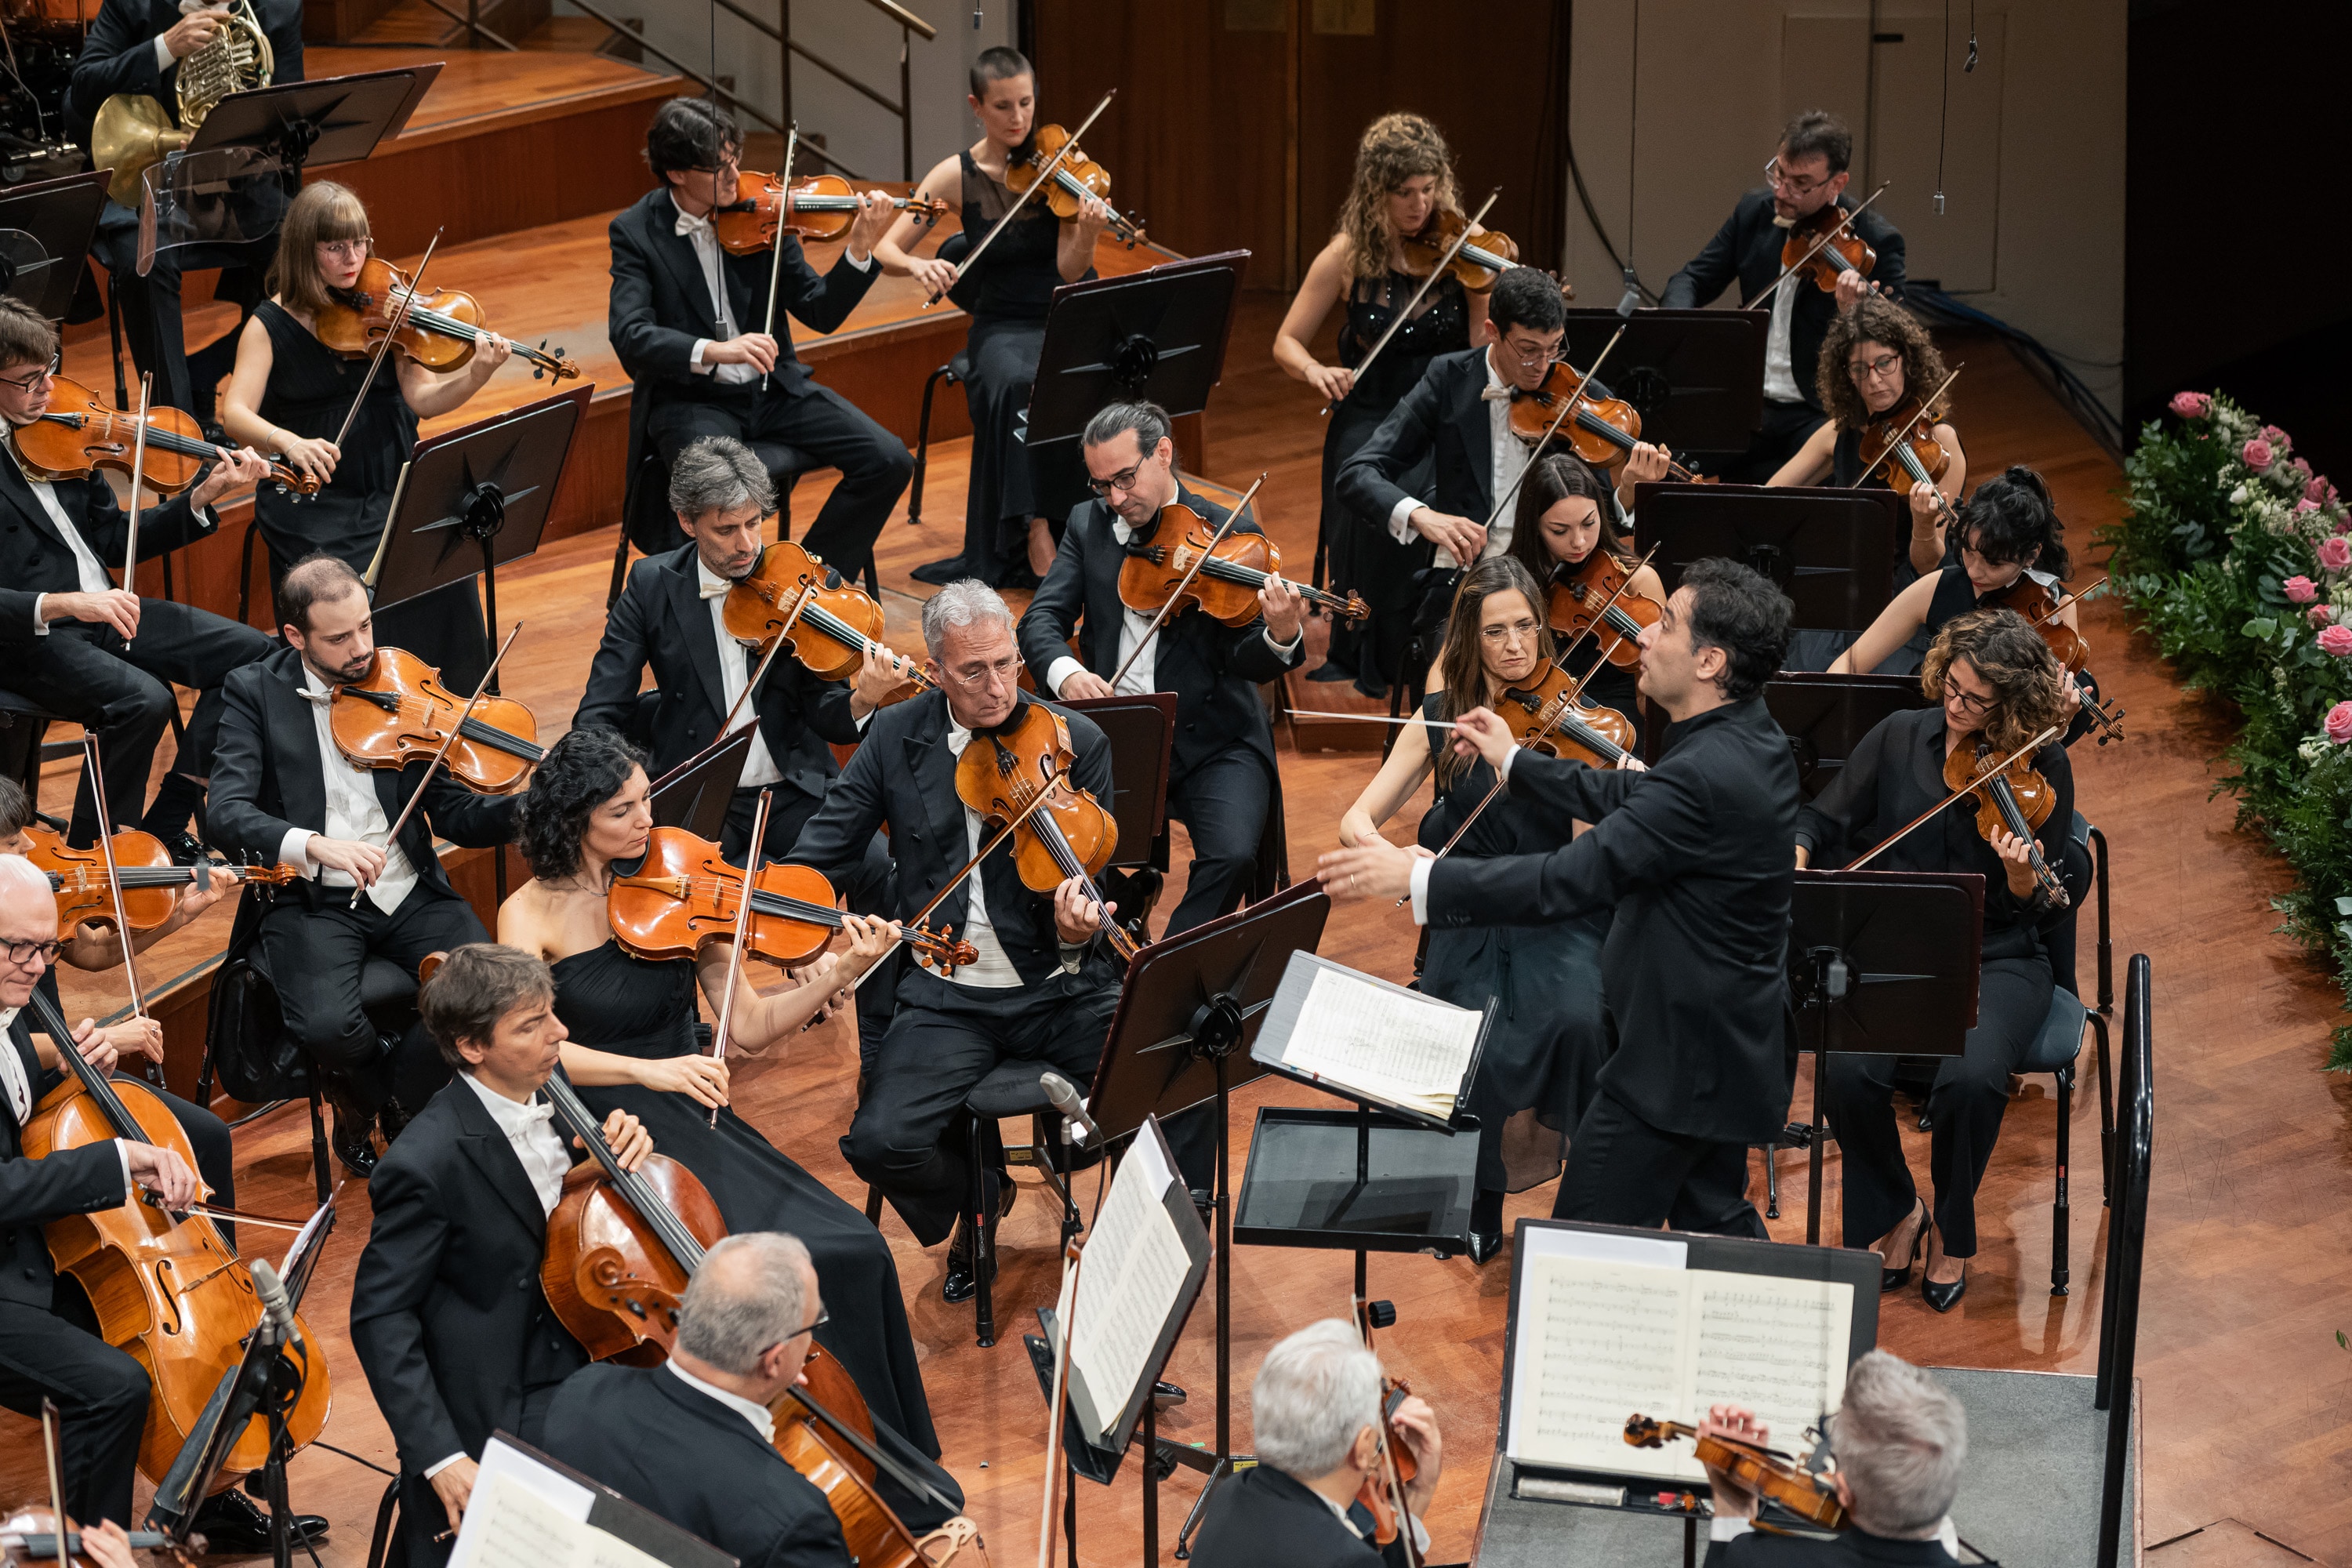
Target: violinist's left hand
x,y
881,673
490,350
1645,464
1093,217
1283,609
1926,509
1368,871
1851,287
2016,860
236,469
201,896
1418,1425
874,216
870,940
2070,699
628,1138
1738,1425
1076,917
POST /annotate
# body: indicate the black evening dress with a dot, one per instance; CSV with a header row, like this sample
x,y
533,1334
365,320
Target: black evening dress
x,y
1356,553
310,390
612,1001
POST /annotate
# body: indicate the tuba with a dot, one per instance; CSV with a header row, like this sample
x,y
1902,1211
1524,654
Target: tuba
x,y
133,132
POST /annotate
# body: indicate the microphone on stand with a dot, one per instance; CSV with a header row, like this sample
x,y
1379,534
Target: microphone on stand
x,y
1074,1110
274,1305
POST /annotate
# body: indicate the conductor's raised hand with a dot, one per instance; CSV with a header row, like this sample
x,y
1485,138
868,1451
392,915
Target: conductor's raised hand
x,y
1457,536
1368,871
1481,732
1076,916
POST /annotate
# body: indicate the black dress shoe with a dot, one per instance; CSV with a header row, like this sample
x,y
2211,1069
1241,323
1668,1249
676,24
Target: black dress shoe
x,y
1943,1298
1167,1396
390,1117
231,1522
353,1142
940,573
1485,1244
1333,673
1892,1278
186,848
962,1282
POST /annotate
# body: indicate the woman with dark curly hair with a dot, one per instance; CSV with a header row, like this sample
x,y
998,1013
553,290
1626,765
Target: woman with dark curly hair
x,y
633,1045
1996,686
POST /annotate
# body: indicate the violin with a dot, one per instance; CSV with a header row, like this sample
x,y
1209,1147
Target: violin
x,y
399,713
2011,797
1020,774
1383,1491
439,328
151,882
1603,431
684,894
1553,716
2042,609
826,623
1902,438
1826,247
1481,259
79,433
168,1289
1076,178
1772,1475
820,208
1594,596
1226,586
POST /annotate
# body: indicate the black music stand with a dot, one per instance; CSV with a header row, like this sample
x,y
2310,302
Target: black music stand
x,y
1832,551
328,120
45,232
1188,1011
1158,334
696,793
1141,730
1826,716
1883,964
1695,377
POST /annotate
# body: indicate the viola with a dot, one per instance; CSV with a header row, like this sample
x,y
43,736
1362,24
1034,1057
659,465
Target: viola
x,y
1826,247
826,623
399,713
1595,597
1769,1475
151,882
1227,584
439,328
1483,258
684,894
168,1289
2042,609
2011,797
1603,431
1552,715
79,433
1020,774
1901,437
1075,178
819,208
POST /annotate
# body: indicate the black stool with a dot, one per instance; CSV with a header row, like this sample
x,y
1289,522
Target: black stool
x,y
23,722
955,370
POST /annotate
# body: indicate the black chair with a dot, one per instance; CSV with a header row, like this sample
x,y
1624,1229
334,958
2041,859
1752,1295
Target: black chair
x,y
23,722
955,370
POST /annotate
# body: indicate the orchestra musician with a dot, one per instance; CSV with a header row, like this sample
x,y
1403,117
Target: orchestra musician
x,y
1692,855
1404,176
1546,1041
283,793
1007,292
633,1047
1045,986
89,651
137,47
1565,512
1994,682
1315,1420
1901,1437
449,1317
687,321
1807,173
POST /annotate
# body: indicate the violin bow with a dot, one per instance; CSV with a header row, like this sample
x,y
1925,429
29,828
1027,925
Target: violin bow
x,y
743,935
392,840
1910,427
1982,775
130,529
401,304
2067,601
776,252
1039,183
1803,261
1401,317
1360,1310
1185,582
1567,405
114,887
1072,1256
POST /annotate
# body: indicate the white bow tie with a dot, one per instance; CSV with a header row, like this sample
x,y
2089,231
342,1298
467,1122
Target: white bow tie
x,y
711,590
958,739
536,1112
688,225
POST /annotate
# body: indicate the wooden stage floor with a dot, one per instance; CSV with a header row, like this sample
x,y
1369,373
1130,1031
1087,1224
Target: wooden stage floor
x,y
2248,1399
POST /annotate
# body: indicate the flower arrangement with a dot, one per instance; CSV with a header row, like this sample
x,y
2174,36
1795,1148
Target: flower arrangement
x,y
2238,558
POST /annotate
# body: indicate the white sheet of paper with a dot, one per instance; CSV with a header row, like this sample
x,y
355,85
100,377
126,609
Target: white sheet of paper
x,y
1407,1050
1776,1345
1134,1266
511,1521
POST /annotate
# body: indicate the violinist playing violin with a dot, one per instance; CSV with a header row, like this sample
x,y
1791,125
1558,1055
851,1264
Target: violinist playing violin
x,y
1316,1420
449,1317
689,319
89,651
284,793
1567,516
1900,1437
1045,984
1996,686
1805,177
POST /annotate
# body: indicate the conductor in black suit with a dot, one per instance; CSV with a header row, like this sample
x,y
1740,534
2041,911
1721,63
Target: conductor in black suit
x,y
140,46
1222,777
1694,855
282,792
1901,1437
1807,173
448,1318
687,321
1314,1416
1045,986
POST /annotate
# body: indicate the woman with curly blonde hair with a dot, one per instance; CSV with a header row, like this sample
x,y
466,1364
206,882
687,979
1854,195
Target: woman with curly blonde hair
x,y
1405,173
1996,686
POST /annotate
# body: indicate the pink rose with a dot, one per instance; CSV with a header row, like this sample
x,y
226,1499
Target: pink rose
x,y
2319,615
2257,454
2339,722
2192,405
2305,508
2319,491
2335,553
2300,465
2276,437
2335,640
2300,590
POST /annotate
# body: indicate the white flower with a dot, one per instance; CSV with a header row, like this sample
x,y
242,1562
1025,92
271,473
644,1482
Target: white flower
x,y
2313,749
2238,496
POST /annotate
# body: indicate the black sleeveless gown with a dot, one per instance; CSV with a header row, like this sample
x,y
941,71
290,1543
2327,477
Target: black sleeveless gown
x,y
613,1001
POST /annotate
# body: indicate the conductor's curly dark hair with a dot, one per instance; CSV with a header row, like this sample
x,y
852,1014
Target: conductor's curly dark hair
x,y
579,773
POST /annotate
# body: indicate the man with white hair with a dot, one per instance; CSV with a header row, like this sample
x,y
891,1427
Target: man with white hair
x,y
1044,985
1315,1419
1900,1438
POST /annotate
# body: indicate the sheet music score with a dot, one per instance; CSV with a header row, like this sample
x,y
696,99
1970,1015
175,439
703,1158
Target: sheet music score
x,y
1398,1046
509,1522
1131,1275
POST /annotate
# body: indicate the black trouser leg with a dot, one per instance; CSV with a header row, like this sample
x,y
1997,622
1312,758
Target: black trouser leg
x,y
314,957
73,673
101,1395
1623,1171
865,887
208,1139
874,467
1223,805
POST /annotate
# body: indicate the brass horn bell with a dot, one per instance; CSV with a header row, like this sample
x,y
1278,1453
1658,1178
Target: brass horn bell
x,y
132,134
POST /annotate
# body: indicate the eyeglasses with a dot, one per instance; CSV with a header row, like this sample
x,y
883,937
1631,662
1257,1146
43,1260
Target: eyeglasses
x,y
346,247
823,1318
1515,632
20,953
32,378
1968,701
1123,481
1788,185
1871,370
999,673
1542,354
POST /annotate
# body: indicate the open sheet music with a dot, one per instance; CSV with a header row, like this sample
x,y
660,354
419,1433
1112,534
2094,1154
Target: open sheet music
x,y
1131,1281
1367,1040
528,1512
1610,1326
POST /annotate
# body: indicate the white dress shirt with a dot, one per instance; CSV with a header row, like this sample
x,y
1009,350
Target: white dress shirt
x,y
1780,367
14,1084
993,970
1505,454
697,232
734,674
353,812
757,1416
1141,676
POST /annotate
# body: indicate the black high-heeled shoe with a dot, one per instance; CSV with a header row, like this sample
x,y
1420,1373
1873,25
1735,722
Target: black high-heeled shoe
x,y
1941,1297
1894,1279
